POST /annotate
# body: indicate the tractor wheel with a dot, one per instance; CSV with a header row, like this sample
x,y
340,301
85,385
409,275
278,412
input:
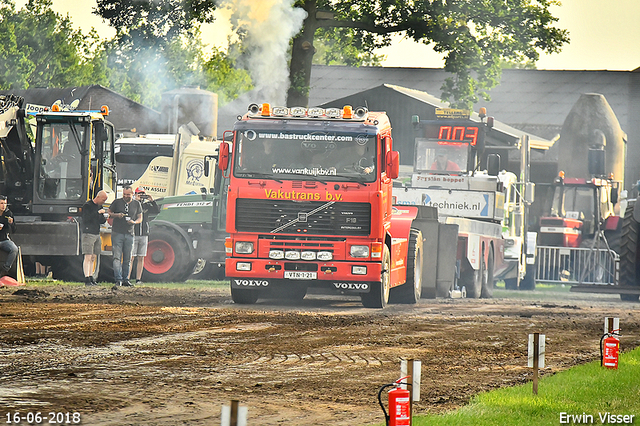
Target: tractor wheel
x,y
629,254
410,291
209,271
487,277
168,256
378,295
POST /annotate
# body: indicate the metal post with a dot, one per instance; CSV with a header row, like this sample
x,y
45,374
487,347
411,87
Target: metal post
x,y
536,355
234,412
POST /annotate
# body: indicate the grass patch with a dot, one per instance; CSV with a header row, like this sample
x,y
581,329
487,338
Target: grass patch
x,y
185,285
586,389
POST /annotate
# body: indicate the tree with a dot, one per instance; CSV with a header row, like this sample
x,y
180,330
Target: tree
x,y
476,36
39,47
158,47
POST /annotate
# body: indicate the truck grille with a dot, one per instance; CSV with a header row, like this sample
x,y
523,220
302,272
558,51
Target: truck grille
x,y
334,219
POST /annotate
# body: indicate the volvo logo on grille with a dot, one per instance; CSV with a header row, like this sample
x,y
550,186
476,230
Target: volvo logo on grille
x,y
250,283
302,217
351,286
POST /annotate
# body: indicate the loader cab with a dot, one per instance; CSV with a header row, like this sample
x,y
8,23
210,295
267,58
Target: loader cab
x,y
74,159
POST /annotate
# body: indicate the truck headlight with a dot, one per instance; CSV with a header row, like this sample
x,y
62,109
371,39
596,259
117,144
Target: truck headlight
x,y
325,255
243,266
244,247
359,251
292,255
359,270
276,254
308,255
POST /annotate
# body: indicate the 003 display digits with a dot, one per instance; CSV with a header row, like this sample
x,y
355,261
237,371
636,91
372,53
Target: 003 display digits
x,y
454,133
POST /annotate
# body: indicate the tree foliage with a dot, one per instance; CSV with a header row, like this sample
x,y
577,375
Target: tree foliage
x,y
39,48
158,47
476,36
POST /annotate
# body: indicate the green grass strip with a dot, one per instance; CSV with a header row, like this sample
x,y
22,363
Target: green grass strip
x,y
586,392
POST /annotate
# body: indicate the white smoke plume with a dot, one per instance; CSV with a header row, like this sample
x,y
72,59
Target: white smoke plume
x,y
269,25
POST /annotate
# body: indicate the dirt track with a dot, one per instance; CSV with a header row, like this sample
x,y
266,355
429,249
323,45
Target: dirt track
x,y
147,356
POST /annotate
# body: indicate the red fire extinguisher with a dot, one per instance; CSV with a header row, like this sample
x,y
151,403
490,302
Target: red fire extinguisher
x,y
609,349
399,404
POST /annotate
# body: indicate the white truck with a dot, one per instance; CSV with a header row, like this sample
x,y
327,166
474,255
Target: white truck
x,y
486,206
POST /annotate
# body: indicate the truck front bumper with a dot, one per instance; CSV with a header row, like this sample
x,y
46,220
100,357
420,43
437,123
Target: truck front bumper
x,y
343,276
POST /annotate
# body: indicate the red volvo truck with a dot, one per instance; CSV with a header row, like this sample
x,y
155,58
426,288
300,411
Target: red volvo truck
x,y
309,205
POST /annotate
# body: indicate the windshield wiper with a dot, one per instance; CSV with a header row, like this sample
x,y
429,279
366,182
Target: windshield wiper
x,y
260,175
316,178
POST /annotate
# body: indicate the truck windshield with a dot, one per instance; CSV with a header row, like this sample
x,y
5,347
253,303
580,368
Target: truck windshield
x,y
441,157
60,161
299,156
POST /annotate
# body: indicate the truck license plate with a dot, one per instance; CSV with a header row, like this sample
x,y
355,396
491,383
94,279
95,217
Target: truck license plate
x,y
300,275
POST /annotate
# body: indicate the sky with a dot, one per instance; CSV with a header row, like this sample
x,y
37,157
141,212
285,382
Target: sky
x,y
604,34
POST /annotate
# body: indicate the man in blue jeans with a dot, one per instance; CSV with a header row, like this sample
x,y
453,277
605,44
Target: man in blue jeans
x,y
126,212
7,226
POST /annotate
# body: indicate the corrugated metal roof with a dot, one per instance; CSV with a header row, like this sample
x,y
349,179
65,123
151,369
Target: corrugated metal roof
x,y
538,97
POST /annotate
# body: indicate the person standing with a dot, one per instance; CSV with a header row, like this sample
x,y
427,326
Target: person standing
x,y
141,231
7,227
93,215
126,212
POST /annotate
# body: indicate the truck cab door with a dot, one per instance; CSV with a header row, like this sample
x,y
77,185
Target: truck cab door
x,y
103,171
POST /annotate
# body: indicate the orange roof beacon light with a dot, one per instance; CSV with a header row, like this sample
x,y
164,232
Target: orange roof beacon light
x,y
266,110
104,110
483,112
55,108
347,112
561,174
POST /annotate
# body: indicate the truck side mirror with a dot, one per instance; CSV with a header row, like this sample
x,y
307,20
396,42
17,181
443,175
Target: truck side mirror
x,y
392,161
223,156
529,191
493,164
615,193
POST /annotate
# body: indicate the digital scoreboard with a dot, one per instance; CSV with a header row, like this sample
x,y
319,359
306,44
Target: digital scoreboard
x,y
453,132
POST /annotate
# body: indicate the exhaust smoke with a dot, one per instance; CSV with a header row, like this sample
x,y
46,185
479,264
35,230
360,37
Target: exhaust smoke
x,y
266,26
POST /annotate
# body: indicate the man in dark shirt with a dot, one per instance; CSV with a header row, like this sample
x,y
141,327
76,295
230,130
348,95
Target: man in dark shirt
x,y
93,215
126,212
7,226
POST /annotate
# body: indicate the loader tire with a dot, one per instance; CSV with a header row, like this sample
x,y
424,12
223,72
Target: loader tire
x,y
629,254
411,290
168,256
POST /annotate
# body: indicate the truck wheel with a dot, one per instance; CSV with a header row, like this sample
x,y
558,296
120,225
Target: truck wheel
x,y
529,280
244,297
511,283
629,254
68,268
168,257
378,295
411,291
473,281
487,277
